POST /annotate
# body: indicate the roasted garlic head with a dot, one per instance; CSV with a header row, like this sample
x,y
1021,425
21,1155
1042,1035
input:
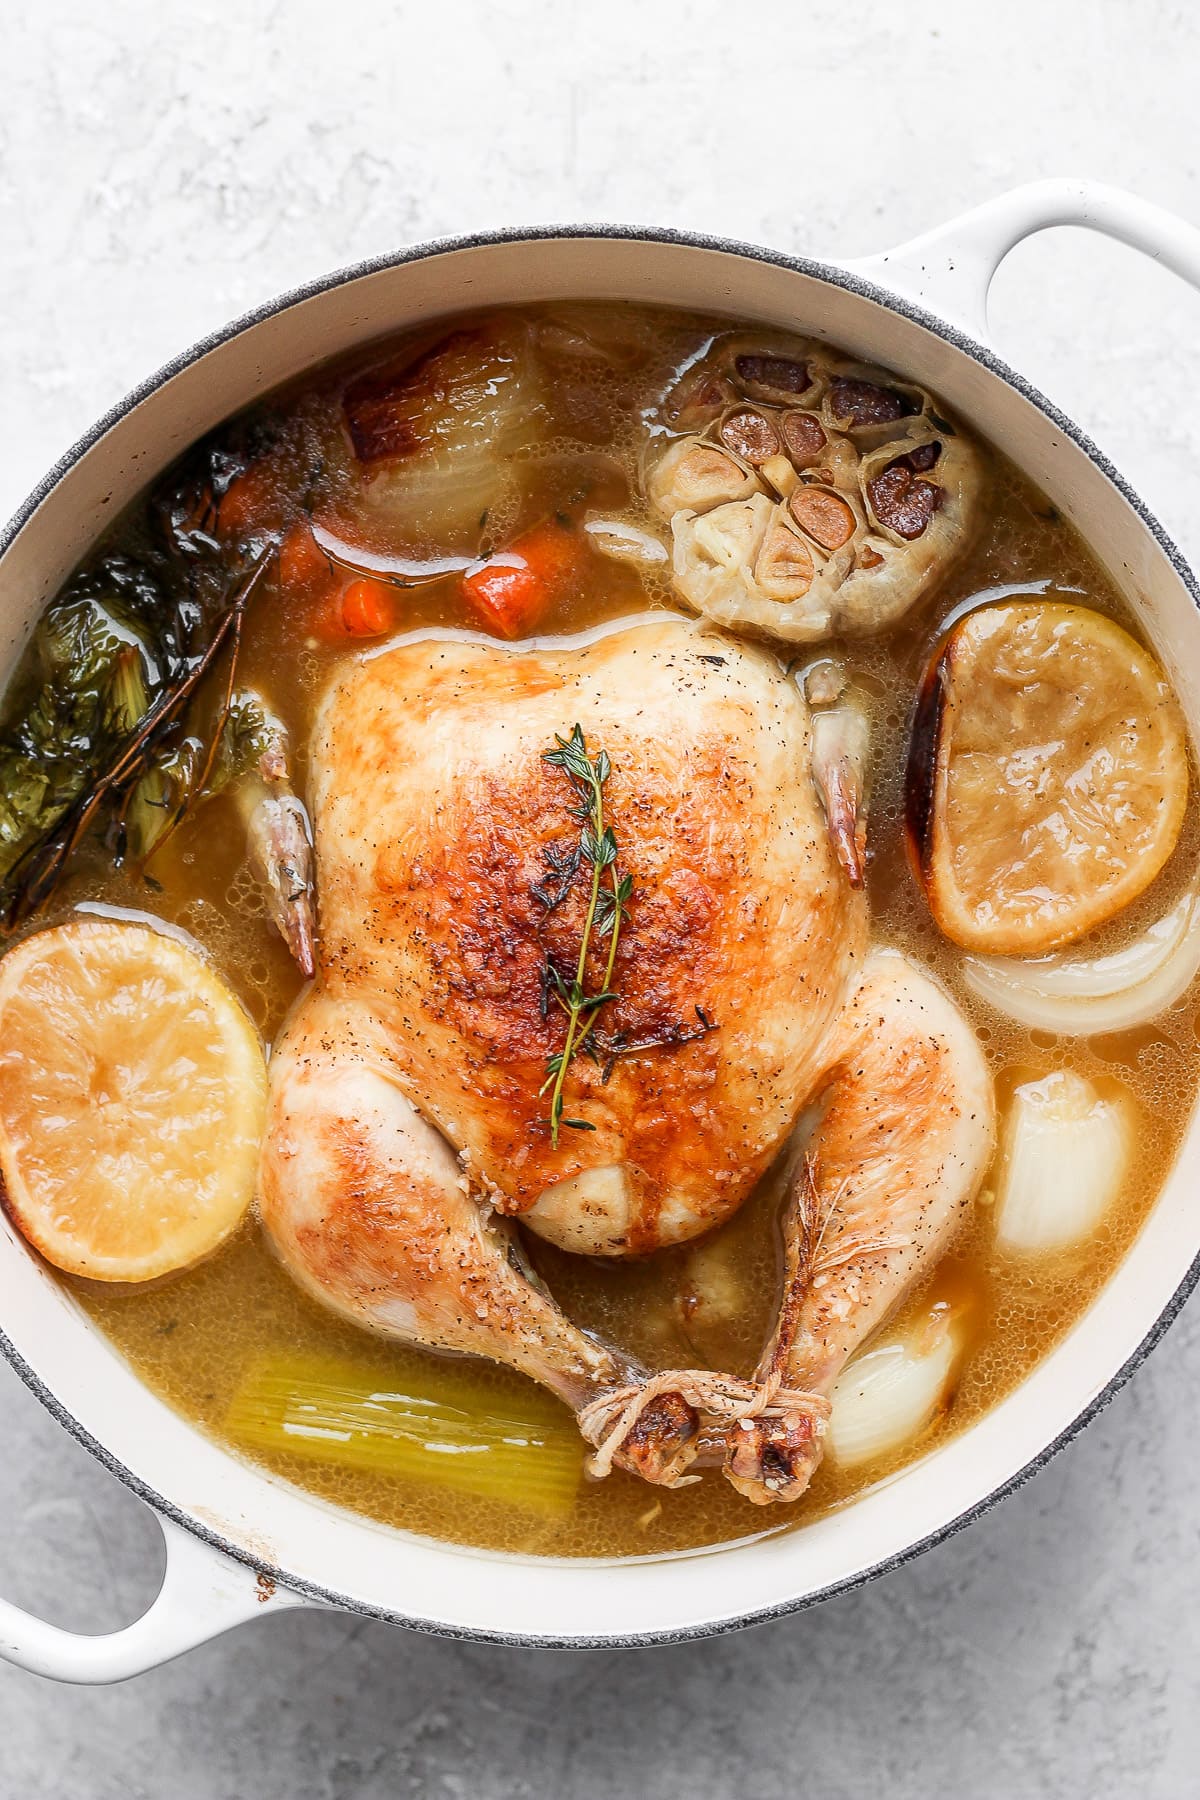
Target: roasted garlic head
x,y
806,495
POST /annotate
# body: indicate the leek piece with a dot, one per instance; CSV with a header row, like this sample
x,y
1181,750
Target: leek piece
x,y
436,1429
1066,1153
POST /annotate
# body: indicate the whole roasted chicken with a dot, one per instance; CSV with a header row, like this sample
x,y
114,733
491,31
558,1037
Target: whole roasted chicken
x,y
453,1070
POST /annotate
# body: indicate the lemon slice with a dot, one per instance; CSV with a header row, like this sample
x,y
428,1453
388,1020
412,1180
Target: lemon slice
x,y
1048,776
132,1098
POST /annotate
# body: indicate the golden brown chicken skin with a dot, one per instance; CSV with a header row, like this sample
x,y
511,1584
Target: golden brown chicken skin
x,y
441,837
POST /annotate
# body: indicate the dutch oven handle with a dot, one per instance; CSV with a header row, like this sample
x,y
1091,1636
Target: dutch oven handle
x,y
950,269
203,1594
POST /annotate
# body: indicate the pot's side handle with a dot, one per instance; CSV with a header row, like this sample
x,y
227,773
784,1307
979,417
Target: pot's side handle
x,y
203,1594
950,269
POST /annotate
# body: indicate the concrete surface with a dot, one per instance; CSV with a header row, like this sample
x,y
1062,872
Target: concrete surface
x,y
162,167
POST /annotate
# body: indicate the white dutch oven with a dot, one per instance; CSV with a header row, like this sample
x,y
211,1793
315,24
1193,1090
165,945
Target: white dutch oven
x,y
239,1540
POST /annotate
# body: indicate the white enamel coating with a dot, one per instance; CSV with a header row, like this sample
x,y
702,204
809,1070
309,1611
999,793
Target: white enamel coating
x,y
949,270
203,1593
348,1560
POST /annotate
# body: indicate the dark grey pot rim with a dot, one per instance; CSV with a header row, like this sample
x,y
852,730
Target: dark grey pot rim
x,y
832,276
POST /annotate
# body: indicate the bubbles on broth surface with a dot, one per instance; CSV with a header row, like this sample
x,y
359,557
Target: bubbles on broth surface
x,y
712,1303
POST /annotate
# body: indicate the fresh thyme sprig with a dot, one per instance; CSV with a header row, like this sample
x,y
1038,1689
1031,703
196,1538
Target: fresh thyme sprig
x,y
669,1037
606,908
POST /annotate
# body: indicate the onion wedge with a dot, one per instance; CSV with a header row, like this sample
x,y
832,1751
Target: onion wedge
x,y
626,542
1066,1151
893,1392
1079,996
389,565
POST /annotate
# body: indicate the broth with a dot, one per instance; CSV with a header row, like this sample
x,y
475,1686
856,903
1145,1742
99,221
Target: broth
x,y
192,1338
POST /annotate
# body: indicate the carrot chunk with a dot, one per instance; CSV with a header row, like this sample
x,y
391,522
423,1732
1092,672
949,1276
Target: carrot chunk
x,y
303,565
512,591
368,608
250,503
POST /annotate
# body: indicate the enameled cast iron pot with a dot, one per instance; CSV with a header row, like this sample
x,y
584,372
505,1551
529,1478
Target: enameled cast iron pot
x,y
239,1540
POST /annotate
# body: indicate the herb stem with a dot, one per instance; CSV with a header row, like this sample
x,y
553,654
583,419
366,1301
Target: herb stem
x,y
590,920
612,953
576,1007
598,845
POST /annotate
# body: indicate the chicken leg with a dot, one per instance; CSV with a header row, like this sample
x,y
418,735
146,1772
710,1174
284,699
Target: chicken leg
x,y
894,1164
371,1212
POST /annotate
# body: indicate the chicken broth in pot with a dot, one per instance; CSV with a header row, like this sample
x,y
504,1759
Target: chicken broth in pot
x,y
674,520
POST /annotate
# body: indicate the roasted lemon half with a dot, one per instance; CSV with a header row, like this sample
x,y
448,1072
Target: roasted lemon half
x,y
1047,777
132,1099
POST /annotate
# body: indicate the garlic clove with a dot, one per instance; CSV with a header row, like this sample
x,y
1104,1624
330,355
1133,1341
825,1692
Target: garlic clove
x,y
693,475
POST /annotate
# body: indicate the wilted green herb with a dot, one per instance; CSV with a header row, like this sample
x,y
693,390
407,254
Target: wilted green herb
x,y
102,736
102,724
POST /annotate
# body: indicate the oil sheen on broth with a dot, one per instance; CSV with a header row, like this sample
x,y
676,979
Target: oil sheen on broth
x,y
710,1304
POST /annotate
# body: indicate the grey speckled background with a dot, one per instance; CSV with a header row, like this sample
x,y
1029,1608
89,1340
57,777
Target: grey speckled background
x,y
164,166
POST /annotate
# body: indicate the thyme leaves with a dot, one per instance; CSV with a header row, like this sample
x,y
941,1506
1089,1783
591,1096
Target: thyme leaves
x,y
672,1037
609,893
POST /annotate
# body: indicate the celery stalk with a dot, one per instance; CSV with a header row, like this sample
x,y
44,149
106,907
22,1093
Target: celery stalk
x,y
525,1454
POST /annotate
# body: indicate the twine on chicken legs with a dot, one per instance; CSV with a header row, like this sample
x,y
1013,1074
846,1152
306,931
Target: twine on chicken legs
x,y
722,1399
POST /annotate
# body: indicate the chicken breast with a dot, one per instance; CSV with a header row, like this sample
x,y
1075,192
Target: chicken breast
x,y
444,843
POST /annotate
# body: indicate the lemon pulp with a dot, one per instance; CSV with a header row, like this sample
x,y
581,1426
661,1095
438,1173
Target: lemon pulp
x,y
132,1098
